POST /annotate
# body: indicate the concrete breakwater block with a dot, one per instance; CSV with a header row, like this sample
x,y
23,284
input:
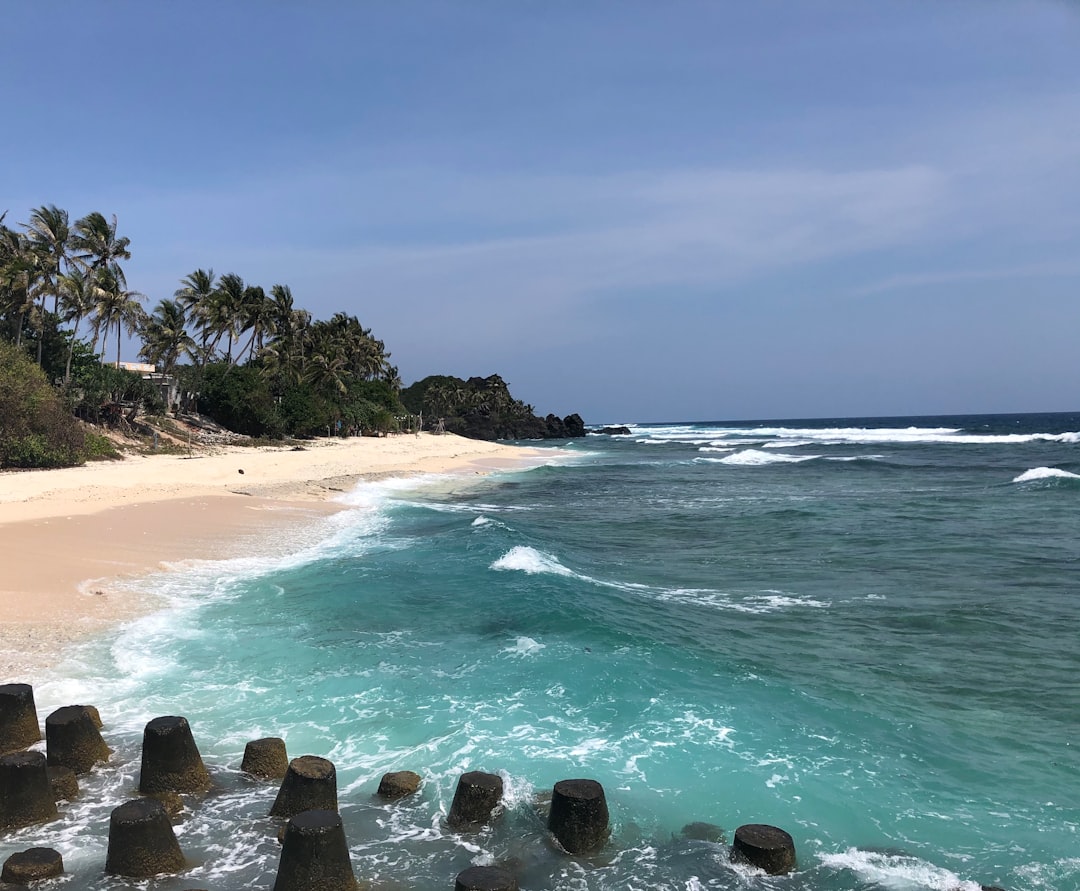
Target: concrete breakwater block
x,y
310,783
32,865
476,796
398,784
26,797
265,758
315,854
485,878
170,759
73,740
64,783
579,815
765,847
708,832
95,715
141,841
18,718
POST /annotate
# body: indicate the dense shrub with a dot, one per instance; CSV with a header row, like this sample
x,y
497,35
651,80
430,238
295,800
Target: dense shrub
x,y
36,430
237,397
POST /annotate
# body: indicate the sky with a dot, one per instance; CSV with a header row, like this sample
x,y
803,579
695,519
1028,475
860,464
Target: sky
x,y
638,211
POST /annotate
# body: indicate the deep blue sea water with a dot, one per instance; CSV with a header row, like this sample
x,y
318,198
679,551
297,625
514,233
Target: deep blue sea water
x,y
865,631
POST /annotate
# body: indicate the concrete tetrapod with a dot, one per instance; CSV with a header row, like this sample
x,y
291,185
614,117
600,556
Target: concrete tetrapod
x,y
265,758
26,796
476,796
170,759
64,783
18,718
310,784
398,784
73,740
31,865
141,841
579,815
315,854
485,878
765,847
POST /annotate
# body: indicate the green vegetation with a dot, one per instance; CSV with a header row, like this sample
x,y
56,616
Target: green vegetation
x,y
37,430
250,360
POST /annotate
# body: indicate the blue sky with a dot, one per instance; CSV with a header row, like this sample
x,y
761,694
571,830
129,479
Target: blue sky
x,y
638,211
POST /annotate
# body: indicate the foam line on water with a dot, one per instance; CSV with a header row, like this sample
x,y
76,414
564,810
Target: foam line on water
x,y
756,458
782,437
522,558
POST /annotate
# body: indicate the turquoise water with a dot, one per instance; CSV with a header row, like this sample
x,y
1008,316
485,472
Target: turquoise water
x,y
862,631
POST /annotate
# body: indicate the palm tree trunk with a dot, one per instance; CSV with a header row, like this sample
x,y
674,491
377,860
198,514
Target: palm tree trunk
x,y
71,349
118,344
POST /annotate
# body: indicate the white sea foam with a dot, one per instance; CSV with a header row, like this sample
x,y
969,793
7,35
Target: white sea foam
x,y
897,872
755,458
481,521
1045,473
784,437
525,559
531,561
524,646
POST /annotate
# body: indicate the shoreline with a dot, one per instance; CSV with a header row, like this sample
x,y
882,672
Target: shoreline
x,y
68,536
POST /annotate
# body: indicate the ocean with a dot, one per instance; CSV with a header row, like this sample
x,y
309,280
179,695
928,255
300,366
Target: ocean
x,y
863,631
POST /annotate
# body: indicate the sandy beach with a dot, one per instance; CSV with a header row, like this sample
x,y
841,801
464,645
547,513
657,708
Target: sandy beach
x,y
67,535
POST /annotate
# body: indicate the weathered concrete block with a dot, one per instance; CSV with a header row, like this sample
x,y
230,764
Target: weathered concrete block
x,y
398,784
26,796
73,740
95,715
64,783
266,758
579,815
172,802
141,841
709,832
18,718
476,796
170,759
485,878
310,784
32,865
765,847
314,854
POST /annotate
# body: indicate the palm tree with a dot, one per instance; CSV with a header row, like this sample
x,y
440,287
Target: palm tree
x,y
257,316
164,336
78,298
196,295
116,305
227,310
49,234
20,280
96,244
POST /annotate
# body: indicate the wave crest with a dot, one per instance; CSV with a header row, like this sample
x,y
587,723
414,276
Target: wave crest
x,y
1045,473
529,560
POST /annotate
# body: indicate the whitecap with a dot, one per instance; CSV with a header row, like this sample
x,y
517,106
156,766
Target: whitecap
x,y
1045,473
755,458
524,646
529,560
